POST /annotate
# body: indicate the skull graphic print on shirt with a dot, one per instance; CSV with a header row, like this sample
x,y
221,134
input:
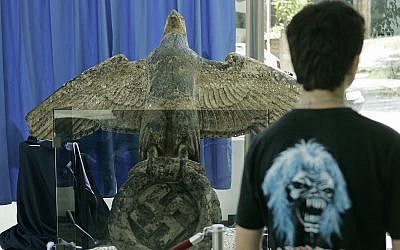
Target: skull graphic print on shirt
x,y
306,194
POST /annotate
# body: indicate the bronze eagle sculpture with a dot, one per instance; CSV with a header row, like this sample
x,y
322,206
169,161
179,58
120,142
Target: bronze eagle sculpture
x,y
210,99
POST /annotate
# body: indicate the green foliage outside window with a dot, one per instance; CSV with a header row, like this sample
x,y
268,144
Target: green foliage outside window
x,y
283,11
286,9
385,18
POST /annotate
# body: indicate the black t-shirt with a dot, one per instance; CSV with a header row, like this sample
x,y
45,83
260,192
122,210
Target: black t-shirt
x,y
327,178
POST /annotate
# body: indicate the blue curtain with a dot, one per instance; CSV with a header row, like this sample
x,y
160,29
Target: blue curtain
x,y
44,43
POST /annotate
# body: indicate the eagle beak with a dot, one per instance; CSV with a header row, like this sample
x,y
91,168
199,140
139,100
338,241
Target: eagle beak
x,y
175,24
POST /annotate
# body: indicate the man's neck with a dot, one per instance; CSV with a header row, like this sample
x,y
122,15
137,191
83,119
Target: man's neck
x,y
321,99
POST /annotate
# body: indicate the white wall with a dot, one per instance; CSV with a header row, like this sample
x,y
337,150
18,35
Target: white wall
x,y
229,198
8,216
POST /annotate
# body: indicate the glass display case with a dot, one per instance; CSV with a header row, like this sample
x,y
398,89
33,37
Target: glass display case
x,y
164,200
81,183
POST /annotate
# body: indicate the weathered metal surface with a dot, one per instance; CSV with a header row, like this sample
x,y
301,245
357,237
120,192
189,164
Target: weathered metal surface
x,y
172,98
227,96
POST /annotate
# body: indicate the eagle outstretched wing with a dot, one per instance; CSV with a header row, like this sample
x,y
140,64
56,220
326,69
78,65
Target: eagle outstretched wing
x,y
116,85
240,94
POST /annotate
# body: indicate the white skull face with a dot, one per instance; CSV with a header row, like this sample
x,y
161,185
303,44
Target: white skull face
x,y
310,194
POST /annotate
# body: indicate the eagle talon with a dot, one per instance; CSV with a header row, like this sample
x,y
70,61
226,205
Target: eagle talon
x,y
152,152
183,152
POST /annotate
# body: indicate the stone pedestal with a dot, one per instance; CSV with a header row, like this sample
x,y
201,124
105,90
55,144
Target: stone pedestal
x,y
165,200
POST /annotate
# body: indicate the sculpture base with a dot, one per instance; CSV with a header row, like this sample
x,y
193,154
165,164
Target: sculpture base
x,y
164,201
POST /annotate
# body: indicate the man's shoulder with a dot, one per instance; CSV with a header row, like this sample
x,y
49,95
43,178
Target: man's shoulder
x,y
375,128
285,122
274,131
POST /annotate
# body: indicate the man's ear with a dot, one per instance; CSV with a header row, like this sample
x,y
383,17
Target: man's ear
x,y
354,65
351,74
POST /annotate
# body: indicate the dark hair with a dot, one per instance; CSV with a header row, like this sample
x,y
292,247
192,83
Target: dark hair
x,y
324,39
